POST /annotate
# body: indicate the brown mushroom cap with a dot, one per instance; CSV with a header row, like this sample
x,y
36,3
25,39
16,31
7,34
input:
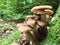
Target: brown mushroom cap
x,y
23,28
30,16
41,7
31,22
48,12
40,23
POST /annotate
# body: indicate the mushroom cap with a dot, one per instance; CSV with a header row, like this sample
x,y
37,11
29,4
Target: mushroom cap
x,y
41,7
48,12
30,16
40,23
30,22
38,11
23,27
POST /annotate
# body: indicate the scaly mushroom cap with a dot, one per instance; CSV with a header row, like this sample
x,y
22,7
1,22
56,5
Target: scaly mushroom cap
x,y
48,12
42,7
23,27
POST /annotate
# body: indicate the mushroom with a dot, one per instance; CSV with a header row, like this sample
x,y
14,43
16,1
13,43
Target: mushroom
x,y
40,8
22,27
26,30
30,20
42,11
48,13
30,16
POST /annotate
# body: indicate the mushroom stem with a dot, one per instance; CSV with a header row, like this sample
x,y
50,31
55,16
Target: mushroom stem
x,y
31,36
43,17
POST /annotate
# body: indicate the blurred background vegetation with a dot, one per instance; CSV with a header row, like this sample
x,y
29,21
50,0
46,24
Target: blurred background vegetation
x,y
19,9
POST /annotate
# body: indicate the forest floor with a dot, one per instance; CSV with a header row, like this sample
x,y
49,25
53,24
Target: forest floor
x,y
6,29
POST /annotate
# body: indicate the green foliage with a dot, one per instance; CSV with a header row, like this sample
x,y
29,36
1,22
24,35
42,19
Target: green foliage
x,y
16,9
10,38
